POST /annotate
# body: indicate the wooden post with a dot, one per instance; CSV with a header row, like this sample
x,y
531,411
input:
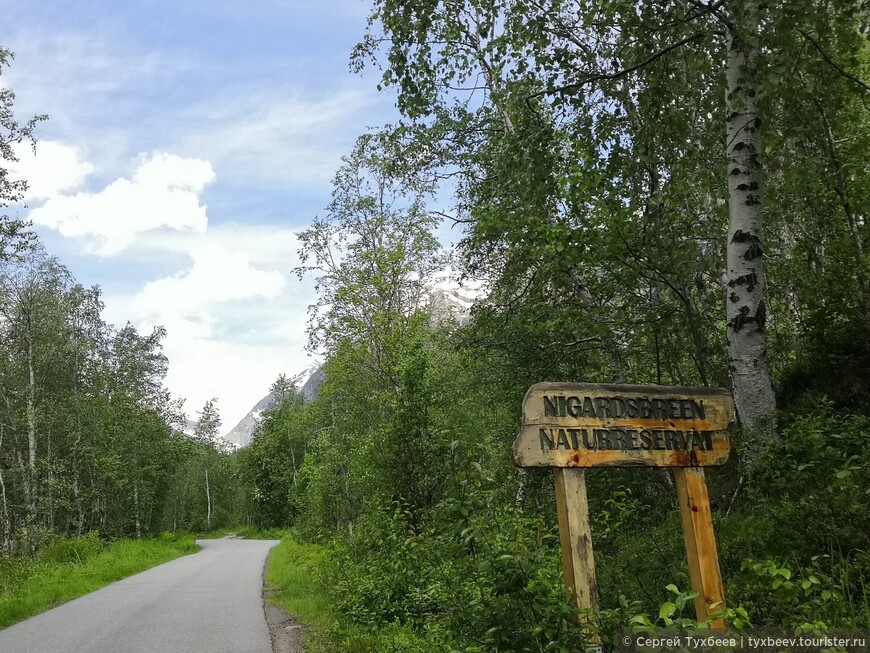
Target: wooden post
x,y
697,524
575,538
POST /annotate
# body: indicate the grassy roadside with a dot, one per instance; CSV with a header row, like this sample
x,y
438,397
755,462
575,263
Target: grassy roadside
x,y
291,568
71,567
245,532
75,566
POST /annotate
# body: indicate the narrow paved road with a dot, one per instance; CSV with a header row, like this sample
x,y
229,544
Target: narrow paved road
x,y
207,602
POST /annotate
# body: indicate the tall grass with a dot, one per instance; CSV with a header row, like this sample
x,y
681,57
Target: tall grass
x,y
71,567
291,569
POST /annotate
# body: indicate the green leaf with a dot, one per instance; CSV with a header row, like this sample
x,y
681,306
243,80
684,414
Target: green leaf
x,y
667,609
640,619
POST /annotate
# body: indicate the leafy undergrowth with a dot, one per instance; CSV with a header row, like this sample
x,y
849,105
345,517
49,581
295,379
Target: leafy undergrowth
x,y
795,550
71,567
244,532
475,576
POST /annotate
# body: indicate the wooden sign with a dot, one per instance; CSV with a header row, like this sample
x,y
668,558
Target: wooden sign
x,y
586,425
570,426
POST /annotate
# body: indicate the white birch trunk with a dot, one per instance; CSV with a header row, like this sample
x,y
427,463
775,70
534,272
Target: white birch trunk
x,y
30,487
208,500
136,505
7,522
745,281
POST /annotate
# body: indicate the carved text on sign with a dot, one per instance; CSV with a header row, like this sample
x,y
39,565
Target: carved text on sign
x,y
588,425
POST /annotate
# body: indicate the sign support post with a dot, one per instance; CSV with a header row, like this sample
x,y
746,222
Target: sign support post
x,y
703,559
575,539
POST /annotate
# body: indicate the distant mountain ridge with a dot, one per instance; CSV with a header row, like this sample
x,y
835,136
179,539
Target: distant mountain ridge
x,y
307,381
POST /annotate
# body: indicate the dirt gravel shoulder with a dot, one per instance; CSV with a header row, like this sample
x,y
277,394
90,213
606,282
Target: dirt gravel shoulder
x,y
284,630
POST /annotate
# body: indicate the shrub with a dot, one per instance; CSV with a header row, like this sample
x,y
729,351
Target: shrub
x,y
72,550
468,575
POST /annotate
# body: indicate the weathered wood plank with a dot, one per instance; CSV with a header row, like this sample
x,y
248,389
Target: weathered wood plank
x,y
697,521
604,425
575,538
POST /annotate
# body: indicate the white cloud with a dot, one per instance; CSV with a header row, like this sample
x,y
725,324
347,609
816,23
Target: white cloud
x,y
52,169
272,125
233,321
163,192
218,275
91,77
268,246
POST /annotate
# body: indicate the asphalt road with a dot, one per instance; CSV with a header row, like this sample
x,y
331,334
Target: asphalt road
x,y
209,602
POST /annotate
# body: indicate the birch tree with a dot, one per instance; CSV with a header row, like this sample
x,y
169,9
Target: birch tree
x,y
371,257
15,236
207,433
661,108
33,327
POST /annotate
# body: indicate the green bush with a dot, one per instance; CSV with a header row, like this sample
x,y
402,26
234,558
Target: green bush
x,y
469,574
14,572
801,512
72,550
821,594
814,493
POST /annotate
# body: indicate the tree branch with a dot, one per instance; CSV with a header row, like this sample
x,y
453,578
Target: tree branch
x,y
833,64
624,71
713,9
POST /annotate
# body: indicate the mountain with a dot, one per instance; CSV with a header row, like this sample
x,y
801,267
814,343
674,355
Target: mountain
x,y
306,382
189,428
451,300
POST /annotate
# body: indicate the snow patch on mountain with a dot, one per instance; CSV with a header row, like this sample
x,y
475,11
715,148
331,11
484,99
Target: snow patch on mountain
x,y
452,297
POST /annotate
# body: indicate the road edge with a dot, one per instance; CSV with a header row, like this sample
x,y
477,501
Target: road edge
x,y
285,632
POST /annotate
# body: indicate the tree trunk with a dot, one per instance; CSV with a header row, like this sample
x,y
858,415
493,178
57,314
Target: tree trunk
x,y
77,499
136,505
208,501
7,523
76,471
852,221
521,488
30,485
611,349
745,310
703,361
48,496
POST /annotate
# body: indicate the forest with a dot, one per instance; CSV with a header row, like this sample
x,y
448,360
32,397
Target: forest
x,y
90,438
669,193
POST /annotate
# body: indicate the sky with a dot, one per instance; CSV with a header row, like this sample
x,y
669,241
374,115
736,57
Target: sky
x,y
187,143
